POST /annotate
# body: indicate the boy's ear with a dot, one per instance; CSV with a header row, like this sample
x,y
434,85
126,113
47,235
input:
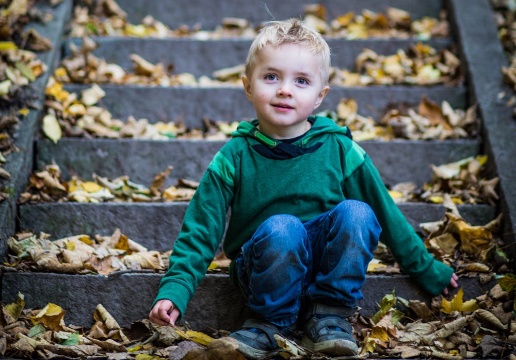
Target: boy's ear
x,y
247,86
321,96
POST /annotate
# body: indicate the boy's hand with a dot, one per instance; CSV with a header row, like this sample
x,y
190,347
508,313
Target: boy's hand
x,y
453,283
164,313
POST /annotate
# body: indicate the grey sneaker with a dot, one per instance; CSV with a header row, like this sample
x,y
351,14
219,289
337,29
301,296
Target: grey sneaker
x,y
256,339
328,332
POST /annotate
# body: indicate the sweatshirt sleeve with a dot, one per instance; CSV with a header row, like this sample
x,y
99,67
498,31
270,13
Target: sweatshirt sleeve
x,y
365,184
202,231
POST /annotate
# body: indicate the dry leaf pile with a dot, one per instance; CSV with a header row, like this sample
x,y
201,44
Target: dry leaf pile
x,y
472,250
71,115
428,120
81,254
106,18
421,64
18,69
483,327
48,186
81,116
83,67
15,15
505,16
463,181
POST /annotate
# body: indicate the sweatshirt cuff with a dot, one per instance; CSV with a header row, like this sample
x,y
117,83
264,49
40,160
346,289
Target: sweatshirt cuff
x,y
175,292
436,278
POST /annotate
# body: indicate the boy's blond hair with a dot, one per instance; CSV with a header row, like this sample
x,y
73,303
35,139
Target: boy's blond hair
x,y
291,31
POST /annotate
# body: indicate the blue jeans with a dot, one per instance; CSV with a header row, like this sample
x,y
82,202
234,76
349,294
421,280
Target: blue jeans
x,y
322,260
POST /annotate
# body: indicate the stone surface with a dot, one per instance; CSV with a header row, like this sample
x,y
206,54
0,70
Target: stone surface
x,y
477,34
397,161
205,57
217,302
156,226
209,14
192,104
20,163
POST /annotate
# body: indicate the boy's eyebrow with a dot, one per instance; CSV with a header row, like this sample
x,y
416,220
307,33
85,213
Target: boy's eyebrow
x,y
299,73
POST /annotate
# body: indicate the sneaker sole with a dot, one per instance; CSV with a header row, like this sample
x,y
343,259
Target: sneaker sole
x,y
255,354
337,347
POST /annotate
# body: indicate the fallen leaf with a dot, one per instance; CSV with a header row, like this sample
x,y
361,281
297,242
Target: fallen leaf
x,y
51,127
457,304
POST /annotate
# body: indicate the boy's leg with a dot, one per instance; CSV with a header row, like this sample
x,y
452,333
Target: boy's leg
x,y
343,241
271,271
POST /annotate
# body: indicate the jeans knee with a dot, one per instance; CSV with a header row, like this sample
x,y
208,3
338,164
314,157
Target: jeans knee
x,y
360,212
281,233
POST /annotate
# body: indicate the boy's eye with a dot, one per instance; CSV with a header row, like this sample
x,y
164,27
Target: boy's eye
x,y
302,81
270,77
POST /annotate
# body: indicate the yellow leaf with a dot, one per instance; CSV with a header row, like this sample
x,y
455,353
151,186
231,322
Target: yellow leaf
x,y
91,187
24,111
375,265
7,45
388,301
436,199
379,333
369,345
14,309
147,357
51,316
457,304
5,86
60,72
51,128
195,336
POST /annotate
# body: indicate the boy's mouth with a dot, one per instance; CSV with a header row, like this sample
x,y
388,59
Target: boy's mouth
x,y
283,106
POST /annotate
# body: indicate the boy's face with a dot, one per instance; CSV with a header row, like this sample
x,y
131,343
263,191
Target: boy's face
x,y
285,86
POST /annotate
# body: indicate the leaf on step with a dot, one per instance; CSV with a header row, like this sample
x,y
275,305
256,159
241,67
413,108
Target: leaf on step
x,y
290,348
51,127
387,303
144,260
474,240
11,312
457,304
51,316
195,336
92,95
115,332
223,348
109,345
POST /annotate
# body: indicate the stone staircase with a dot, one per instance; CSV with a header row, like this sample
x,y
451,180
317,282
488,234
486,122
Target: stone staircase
x,y
128,295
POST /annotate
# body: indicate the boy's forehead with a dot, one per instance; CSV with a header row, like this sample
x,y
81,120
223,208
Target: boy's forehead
x,y
272,52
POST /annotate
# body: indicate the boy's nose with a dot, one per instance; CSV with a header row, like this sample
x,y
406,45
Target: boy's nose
x,y
284,90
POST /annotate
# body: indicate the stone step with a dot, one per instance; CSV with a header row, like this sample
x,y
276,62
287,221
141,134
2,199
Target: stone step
x,y
209,14
230,103
156,225
204,57
217,303
397,161
20,163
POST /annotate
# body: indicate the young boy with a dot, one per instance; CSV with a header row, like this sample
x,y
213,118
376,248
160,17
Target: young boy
x,y
307,209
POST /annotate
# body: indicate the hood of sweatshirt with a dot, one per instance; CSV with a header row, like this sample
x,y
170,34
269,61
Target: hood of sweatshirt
x,y
320,126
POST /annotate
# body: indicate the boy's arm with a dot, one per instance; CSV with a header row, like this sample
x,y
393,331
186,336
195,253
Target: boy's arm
x,y
365,184
202,230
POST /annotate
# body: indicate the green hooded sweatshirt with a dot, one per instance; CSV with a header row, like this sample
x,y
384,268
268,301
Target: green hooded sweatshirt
x,y
320,169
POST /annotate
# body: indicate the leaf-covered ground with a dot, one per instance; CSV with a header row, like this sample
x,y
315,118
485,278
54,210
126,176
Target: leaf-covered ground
x,y
445,328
